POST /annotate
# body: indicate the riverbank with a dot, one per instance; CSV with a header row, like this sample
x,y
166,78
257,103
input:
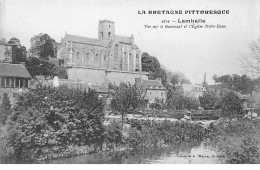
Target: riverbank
x,y
239,141
192,152
139,137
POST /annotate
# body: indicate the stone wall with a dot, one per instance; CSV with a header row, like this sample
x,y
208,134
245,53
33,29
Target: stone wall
x,y
103,76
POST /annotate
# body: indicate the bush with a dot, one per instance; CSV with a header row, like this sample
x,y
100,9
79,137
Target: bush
x,y
231,104
5,109
239,141
209,100
113,135
49,120
153,134
181,102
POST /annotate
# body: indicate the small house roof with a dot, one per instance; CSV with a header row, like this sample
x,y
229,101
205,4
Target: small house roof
x,y
13,70
151,84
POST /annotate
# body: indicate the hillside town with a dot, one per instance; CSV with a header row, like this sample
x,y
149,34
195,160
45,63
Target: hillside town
x,y
105,96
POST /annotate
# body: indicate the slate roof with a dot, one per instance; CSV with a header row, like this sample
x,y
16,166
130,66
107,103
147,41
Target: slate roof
x,y
97,42
13,70
152,84
84,40
123,39
4,43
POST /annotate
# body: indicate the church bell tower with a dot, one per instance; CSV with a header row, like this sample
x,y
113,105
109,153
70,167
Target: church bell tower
x,y
106,30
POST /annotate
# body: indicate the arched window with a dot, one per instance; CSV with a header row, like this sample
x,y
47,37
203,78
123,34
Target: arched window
x,y
130,62
116,52
82,58
137,62
109,34
96,60
101,34
125,61
87,59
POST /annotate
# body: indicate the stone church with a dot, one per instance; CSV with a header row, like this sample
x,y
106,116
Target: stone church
x,y
110,58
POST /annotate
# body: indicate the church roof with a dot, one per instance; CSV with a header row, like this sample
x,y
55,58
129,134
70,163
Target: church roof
x,y
98,42
84,40
123,39
4,43
13,70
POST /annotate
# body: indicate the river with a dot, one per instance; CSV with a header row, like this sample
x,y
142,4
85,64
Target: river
x,y
194,152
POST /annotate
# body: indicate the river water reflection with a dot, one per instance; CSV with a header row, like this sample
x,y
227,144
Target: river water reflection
x,y
194,152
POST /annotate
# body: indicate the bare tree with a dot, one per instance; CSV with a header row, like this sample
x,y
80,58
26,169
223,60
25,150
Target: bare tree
x,y
251,61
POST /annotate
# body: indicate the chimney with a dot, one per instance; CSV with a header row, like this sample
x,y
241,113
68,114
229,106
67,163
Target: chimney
x,y
23,64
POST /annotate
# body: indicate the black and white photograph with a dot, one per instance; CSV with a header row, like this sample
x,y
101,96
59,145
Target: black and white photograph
x,y
129,82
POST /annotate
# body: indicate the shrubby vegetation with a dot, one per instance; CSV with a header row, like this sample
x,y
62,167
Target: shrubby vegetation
x,y
155,134
239,141
149,134
5,109
52,120
180,101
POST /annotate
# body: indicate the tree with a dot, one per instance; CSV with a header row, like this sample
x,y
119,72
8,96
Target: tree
x,y
242,83
185,81
215,78
151,65
236,82
180,101
231,104
251,61
126,99
43,46
175,80
5,109
36,66
209,100
18,51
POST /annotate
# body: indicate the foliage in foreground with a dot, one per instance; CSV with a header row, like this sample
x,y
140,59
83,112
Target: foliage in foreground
x,y
5,109
155,134
239,141
49,120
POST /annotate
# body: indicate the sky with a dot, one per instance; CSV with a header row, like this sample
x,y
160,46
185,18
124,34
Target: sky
x,y
191,51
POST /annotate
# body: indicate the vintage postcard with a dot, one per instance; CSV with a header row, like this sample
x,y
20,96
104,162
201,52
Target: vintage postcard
x,y
129,82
